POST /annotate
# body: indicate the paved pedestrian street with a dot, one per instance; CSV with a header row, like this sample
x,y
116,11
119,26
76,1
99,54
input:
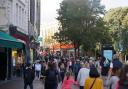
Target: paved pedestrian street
x,y
18,84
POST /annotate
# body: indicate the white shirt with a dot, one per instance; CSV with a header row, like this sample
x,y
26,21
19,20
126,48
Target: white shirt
x,y
55,60
97,65
14,62
37,67
70,63
111,65
82,76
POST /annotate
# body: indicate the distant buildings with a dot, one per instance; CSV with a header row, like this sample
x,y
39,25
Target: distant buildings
x,y
47,32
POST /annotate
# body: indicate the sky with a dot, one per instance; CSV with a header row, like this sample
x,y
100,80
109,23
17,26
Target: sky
x,y
49,7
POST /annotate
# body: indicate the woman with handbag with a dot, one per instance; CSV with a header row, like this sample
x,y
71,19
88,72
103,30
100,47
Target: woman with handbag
x,y
94,81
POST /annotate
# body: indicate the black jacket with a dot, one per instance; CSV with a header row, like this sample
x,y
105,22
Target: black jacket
x,y
124,85
29,75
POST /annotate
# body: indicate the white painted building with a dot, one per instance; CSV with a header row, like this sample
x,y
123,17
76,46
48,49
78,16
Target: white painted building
x,y
14,12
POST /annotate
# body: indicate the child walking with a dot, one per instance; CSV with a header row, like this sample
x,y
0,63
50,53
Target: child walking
x,y
68,81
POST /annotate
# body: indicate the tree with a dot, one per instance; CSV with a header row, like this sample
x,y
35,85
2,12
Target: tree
x,y
71,13
117,20
99,34
79,21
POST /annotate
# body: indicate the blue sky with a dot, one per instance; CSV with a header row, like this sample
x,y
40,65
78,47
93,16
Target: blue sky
x,y
49,7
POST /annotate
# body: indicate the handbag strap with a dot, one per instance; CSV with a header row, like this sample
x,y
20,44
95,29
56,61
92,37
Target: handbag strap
x,y
93,83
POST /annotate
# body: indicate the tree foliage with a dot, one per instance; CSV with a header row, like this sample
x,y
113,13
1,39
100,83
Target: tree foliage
x,y
117,20
81,24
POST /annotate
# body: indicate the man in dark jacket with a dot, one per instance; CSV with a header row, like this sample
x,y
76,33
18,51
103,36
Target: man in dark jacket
x,y
76,68
28,76
51,77
105,65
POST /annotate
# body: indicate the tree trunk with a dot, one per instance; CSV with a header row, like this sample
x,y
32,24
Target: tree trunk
x,y
75,52
78,51
60,47
76,46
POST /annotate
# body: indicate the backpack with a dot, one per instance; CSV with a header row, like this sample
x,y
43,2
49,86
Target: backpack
x,y
52,75
29,75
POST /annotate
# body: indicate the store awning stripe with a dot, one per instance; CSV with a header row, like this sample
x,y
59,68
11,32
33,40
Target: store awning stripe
x,y
8,41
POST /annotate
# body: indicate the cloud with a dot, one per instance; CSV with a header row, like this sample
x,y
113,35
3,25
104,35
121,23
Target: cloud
x,y
49,7
48,11
114,3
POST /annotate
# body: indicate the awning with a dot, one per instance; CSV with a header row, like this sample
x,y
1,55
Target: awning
x,y
8,41
62,46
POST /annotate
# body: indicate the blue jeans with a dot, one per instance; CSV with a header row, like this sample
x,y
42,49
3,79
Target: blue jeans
x,y
38,74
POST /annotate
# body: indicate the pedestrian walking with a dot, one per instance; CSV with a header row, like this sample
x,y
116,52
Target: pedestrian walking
x,y
38,70
105,66
51,77
93,81
91,63
14,66
43,67
76,68
28,76
123,82
68,81
113,80
62,71
116,63
97,64
69,65
83,75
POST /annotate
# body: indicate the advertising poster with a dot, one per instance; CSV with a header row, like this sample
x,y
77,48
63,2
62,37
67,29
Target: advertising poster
x,y
108,54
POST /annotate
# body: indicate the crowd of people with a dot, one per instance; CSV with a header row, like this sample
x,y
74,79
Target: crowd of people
x,y
88,73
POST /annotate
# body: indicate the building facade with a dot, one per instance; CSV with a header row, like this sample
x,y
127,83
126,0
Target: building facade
x,y
34,27
14,12
16,20
34,19
13,26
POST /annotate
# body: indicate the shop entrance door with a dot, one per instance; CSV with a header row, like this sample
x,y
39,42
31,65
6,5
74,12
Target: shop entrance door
x,y
3,65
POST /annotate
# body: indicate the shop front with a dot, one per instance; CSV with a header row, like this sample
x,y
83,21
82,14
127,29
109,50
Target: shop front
x,y
25,52
7,43
63,48
34,51
20,56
